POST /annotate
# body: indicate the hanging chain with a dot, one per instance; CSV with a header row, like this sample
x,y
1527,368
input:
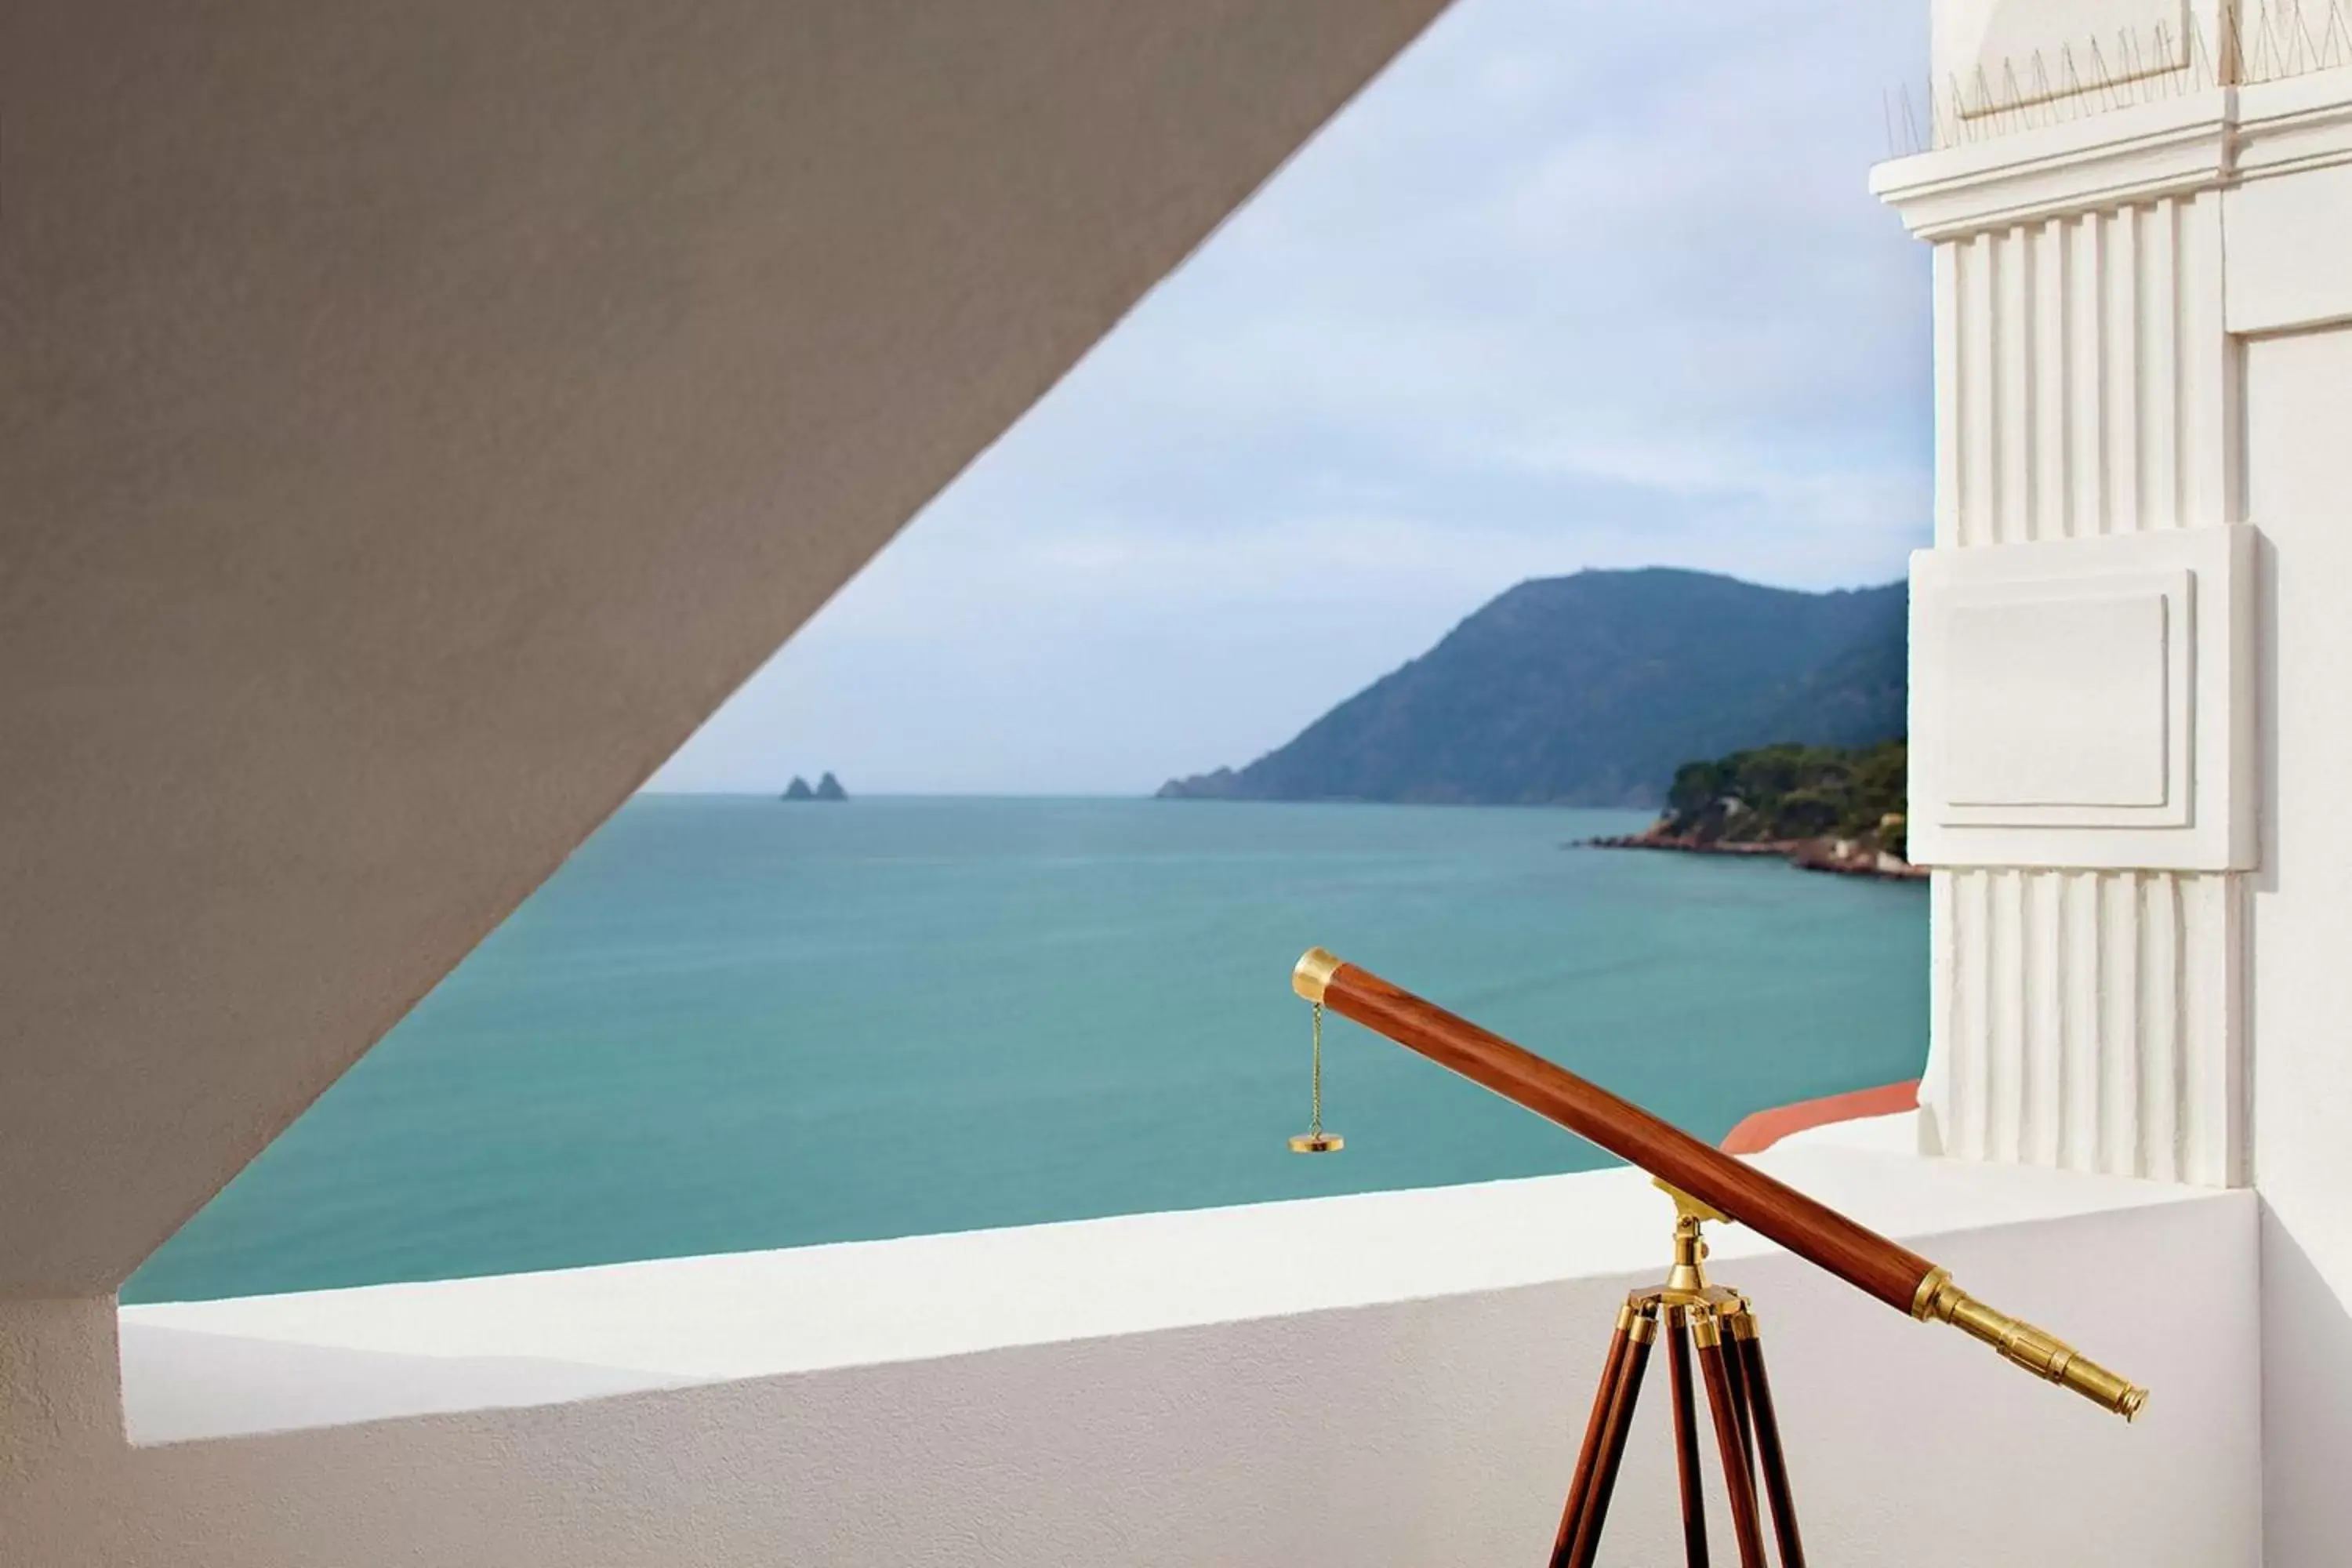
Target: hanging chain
x,y
1315,1140
1315,1124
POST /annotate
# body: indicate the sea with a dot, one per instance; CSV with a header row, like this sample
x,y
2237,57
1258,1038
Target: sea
x,y
732,1023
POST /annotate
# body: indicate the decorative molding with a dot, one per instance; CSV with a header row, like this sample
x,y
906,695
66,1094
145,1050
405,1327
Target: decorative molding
x,y
2214,138
2136,154
2289,216
2065,705
2091,1021
2289,238
2286,127
2085,703
2085,385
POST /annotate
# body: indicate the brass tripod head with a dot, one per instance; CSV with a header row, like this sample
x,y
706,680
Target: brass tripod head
x,y
1688,1296
1688,1275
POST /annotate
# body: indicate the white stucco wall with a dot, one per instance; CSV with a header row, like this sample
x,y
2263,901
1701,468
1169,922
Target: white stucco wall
x,y
2299,416
746,1315
1410,1394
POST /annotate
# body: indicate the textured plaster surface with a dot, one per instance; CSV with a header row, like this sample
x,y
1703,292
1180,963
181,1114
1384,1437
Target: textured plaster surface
x,y
58,1404
63,1483
415,420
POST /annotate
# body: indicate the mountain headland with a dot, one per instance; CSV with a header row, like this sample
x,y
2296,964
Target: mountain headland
x,y
1593,690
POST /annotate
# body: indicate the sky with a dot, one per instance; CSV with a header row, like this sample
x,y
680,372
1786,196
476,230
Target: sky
x,y
1570,285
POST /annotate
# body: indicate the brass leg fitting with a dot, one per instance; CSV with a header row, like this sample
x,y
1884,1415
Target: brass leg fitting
x,y
1638,1322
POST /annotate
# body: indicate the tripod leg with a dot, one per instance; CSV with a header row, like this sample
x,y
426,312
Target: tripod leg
x,y
1735,1370
1707,1336
1750,1351
1613,1370
1585,1540
1678,1368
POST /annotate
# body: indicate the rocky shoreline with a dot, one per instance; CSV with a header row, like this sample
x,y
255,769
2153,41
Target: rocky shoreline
x,y
1833,856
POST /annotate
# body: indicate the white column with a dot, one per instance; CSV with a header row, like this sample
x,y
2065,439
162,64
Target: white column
x,y
2089,994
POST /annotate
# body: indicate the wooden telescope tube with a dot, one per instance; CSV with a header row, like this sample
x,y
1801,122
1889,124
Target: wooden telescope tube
x,y
1813,1231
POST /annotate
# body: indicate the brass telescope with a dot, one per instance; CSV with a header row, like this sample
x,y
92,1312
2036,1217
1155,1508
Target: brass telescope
x,y
1813,1231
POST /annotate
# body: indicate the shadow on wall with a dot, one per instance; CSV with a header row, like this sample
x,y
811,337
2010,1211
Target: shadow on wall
x,y
2306,1407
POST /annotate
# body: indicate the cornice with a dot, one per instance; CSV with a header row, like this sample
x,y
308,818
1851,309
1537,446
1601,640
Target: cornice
x,y
2204,141
2125,155
2286,127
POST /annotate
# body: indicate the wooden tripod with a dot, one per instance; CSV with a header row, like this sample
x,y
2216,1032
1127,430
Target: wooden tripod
x,y
1716,1327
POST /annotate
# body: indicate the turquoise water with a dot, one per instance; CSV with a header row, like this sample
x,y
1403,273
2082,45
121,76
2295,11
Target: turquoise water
x,y
731,1024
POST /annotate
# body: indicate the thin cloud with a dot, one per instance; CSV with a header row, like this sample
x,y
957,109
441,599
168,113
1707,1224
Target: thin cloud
x,y
1572,285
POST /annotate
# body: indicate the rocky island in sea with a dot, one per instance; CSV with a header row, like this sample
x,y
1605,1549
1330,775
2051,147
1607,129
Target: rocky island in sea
x,y
827,788
1822,808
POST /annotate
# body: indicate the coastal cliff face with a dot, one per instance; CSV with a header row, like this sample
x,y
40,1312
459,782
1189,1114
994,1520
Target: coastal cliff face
x,y
1776,793
1824,808
1592,689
